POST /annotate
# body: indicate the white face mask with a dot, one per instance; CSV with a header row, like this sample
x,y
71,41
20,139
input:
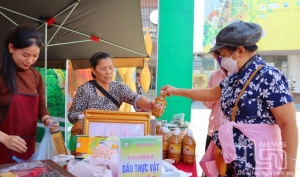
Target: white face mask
x,y
230,64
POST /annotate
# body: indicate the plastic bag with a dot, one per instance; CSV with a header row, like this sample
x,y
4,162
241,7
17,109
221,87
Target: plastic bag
x,y
62,158
171,170
46,149
30,169
179,118
103,155
83,168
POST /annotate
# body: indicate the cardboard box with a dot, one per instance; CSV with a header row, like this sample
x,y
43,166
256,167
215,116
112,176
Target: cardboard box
x,y
86,144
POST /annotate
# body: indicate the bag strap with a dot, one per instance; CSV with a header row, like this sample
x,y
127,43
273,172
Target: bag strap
x,y
241,93
105,93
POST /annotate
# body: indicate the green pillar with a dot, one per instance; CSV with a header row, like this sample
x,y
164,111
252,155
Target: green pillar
x,y
175,52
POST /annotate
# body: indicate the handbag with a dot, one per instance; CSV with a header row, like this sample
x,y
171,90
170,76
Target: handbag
x,y
221,165
105,93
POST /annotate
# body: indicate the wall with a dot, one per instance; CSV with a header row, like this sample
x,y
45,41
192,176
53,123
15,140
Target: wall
x,y
175,52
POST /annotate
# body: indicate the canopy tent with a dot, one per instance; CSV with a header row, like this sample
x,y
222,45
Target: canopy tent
x,y
77,29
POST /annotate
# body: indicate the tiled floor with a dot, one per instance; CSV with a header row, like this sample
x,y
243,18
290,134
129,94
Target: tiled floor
x,y
199,123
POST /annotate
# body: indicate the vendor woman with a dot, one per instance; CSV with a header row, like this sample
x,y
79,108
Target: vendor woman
x,y
22,99
102,93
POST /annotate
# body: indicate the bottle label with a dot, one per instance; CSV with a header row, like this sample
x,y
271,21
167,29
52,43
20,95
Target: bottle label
x,y
165,145
188,150
159,105
174,148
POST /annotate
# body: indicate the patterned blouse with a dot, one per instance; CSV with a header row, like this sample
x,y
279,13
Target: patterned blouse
x,y
268,89
86,97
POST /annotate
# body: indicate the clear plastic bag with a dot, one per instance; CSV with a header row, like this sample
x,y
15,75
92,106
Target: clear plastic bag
x,y
46,149
179,118
85,169
31,169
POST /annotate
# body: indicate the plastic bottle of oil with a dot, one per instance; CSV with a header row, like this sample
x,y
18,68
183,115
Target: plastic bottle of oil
x,y
159,106
175,145
165,139
77,128
158,128
189,148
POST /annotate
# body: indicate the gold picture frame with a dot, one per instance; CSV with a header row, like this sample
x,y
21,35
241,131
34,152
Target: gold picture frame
x,y
116,123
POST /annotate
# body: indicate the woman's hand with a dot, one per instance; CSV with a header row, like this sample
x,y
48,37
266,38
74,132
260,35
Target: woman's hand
x,y
14,143
153,105
168,90
54,127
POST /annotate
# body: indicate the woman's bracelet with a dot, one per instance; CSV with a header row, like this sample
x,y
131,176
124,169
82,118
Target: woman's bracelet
x,y
290,158
46,119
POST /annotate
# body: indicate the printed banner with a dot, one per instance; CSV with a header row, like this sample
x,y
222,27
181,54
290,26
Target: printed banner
x,y
279,20
140,157
200,80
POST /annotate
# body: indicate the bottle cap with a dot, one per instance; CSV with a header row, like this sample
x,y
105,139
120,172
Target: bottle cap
x,y
189,133
165,130
80,116
177,131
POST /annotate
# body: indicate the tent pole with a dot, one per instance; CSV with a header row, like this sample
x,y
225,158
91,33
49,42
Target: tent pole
x,y
46,51
102,40
75,3
74,42
123,48
66,103
9,19
63,22
20,14
59,13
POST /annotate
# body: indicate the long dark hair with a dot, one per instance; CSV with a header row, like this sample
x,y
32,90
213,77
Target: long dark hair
x,y
20,37
96,58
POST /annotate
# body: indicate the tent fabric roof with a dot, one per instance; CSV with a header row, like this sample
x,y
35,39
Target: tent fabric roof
x,y
85,63
117,23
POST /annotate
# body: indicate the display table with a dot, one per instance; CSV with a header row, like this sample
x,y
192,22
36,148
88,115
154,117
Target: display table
x,y
187,168
51,163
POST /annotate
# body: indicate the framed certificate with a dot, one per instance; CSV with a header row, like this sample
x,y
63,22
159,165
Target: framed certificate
x,y
115,123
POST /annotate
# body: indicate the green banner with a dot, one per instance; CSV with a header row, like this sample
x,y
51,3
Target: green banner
x,y
175,53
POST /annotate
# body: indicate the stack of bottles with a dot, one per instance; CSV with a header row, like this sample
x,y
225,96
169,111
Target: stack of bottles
x,y
177,147
158,128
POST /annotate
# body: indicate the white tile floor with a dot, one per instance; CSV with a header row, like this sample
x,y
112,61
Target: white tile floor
x,y
199,123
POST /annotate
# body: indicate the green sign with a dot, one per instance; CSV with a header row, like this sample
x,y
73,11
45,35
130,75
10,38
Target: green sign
x,y
140,156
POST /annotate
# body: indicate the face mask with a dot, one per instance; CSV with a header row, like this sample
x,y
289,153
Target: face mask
x,y
230,64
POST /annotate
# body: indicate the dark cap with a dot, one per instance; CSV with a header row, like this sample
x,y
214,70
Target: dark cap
x,y
238,34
